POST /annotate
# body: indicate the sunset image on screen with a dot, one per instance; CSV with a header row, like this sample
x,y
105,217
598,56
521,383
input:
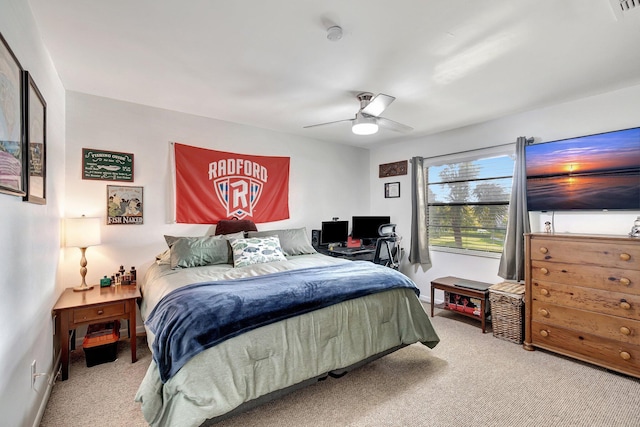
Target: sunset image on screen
x,y
592,172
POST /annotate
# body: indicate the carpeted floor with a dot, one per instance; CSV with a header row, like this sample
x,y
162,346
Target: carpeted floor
x,y
470,378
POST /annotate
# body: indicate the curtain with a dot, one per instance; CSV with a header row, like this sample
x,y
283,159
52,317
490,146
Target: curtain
x,y
419,247
512,260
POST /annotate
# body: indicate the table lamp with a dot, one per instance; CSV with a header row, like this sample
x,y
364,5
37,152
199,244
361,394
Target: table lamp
x,y
82,233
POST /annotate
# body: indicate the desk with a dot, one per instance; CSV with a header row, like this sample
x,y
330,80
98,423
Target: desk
x,y
97,305
448,284
353,257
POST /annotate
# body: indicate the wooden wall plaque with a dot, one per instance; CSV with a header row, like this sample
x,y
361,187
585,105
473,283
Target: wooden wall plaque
x,y
393,169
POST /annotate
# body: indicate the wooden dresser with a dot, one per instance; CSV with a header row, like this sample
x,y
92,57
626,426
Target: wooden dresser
x,y
583,298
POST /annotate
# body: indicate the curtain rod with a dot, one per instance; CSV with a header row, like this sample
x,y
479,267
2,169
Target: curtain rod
x,y
475,149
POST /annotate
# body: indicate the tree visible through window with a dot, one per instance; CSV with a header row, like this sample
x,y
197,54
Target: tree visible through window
x,y
468,203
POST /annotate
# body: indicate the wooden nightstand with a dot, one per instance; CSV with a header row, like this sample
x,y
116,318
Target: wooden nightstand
x,y
94,306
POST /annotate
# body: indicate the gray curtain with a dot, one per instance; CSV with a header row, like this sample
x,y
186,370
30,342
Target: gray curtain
x,y
419,248
512,260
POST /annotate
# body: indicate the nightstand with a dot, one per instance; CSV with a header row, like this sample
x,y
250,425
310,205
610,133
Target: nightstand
x,y
97,305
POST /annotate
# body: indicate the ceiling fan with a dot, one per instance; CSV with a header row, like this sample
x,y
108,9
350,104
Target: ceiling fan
x,y
367,119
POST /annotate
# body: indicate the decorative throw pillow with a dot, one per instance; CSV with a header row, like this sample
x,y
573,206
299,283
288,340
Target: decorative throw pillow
x,y
197,251
228,226
294,241
254,250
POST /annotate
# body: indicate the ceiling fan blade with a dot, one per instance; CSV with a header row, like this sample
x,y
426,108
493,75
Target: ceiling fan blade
x,y
378,104
390,124
328,123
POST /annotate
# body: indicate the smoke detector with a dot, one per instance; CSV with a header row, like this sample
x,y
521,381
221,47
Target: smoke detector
x,y
334,33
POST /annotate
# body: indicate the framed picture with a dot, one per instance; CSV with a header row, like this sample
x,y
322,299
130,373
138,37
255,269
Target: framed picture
x,y
124,205
36,142
12,156
391,190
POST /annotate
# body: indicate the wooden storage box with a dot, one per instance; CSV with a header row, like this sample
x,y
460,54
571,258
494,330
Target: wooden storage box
x,y
507,311
101,343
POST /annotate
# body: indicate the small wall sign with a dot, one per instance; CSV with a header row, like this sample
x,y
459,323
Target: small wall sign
x,y
393,169
107,165
124,205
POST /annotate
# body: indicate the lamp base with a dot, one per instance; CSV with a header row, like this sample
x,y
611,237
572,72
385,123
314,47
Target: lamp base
x,y
82,288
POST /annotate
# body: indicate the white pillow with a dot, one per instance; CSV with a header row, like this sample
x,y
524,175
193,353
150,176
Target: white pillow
x,y
254,250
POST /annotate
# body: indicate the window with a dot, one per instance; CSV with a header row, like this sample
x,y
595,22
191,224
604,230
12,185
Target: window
x,y
468,201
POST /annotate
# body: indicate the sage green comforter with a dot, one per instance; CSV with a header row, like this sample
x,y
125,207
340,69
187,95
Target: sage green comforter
x,y
278,355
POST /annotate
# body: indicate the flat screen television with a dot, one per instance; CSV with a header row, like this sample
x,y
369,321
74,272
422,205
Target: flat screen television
x,y
593,172
334,232
366,227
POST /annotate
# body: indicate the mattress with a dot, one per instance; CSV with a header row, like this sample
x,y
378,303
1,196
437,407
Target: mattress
x,y
277,356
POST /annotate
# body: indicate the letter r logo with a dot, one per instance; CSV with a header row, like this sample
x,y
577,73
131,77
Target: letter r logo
x,y
238,195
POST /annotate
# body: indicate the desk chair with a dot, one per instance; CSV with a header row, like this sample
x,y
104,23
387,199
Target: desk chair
x,y
387,247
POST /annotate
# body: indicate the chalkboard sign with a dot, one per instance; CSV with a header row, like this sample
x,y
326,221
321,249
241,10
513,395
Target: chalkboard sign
x,y
107,165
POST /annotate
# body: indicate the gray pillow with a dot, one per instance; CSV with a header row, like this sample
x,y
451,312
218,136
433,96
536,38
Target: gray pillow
x,y
198,251
239,235
294,241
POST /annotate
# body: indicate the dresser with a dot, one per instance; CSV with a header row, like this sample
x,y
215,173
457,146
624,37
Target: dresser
x,y
582,298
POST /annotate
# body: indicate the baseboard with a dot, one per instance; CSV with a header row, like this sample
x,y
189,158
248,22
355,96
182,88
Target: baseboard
x,y
426,300
45,398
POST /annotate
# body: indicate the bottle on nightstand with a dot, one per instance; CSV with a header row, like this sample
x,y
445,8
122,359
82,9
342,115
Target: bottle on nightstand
x,y
133,275
104,282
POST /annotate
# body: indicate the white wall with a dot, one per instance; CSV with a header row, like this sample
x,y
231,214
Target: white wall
x,y
606,112
326,180
30,239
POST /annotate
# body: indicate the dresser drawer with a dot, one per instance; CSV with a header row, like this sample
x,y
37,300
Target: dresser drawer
x,y
610,279
614,303
611,254
603,325
619,356
98,312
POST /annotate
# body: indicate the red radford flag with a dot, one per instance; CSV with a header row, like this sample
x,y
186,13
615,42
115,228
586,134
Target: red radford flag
x,y
213,185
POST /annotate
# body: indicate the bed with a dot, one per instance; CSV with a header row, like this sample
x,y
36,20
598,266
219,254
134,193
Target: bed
x,y
311,316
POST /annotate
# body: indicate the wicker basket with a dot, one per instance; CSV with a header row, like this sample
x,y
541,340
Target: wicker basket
x,y
507,311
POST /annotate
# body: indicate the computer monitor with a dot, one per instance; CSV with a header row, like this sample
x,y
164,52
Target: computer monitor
x,y
366,227
334,232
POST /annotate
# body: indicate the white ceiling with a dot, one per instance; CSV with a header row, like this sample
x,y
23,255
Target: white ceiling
x,y
269,64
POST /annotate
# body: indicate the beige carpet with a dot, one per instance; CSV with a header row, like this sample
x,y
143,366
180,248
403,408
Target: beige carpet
x,y
470,378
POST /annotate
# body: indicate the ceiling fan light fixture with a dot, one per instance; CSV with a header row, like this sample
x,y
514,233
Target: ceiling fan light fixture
x,y
364,125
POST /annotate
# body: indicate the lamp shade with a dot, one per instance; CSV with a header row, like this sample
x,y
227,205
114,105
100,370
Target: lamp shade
x,y
82,232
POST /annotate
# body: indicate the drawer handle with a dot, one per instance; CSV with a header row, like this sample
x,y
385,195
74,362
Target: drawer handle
x,y
625,305
544,270
544,312
544,292
544,332
625,355
625,256
100,312
543,250
625,331
624,281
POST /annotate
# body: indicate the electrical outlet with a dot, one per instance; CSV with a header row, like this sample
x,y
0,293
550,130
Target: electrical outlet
x,y
33,374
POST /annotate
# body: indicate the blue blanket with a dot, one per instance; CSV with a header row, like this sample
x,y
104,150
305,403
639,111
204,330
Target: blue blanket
x,y
196,317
